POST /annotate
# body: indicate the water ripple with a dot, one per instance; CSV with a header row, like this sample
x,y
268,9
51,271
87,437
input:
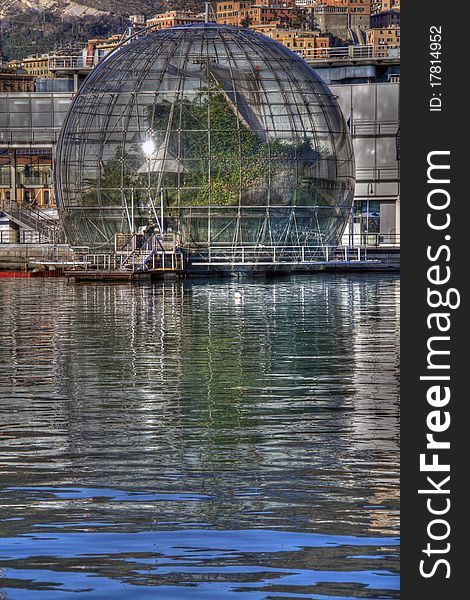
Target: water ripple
x,y
200,440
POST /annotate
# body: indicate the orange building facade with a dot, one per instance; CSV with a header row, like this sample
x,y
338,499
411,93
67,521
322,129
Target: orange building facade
x,y
353,6
33,174
338,3
174,18
359,7
249,13
384,37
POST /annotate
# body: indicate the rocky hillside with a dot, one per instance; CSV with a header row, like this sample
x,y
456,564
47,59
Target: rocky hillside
x,y
40,26
80,8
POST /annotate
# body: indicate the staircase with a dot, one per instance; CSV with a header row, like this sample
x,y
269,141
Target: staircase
x,y
31,218
151,254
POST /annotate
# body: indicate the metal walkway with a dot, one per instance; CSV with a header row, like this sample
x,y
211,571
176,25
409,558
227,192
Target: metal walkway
x,y
261,255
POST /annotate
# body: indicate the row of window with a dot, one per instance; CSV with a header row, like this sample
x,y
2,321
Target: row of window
x,y
44,73
37,197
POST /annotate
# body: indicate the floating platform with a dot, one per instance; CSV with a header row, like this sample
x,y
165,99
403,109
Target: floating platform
x,y
256,270
202,270
160,258
77,276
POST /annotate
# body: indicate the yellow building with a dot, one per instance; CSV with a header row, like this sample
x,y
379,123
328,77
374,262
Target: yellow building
x,y
15,64
37,65
306,44
384,37
379,6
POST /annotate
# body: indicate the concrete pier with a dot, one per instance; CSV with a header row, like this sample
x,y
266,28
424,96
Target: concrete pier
x,y
31,257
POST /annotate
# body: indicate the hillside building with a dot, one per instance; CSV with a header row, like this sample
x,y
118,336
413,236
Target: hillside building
x,y
37,65
389,36
390,18
13,80
174,18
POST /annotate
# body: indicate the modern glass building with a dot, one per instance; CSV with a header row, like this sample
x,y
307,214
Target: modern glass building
x,y
230,133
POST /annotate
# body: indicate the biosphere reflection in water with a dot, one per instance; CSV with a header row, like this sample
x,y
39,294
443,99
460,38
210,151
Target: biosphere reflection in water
x,y
187,441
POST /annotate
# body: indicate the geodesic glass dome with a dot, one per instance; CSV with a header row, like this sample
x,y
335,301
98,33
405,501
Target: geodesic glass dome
x,y
232,134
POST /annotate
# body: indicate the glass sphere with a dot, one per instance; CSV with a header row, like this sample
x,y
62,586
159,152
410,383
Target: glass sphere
x,y
232,134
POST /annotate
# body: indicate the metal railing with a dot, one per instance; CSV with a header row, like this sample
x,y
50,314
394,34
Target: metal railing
x,y
373,128
377,240
72,62
138,255
354,52
32,218
137,262
276,255
377,174
362,52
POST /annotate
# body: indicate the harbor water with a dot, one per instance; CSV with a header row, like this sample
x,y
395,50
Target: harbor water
x,y
200,440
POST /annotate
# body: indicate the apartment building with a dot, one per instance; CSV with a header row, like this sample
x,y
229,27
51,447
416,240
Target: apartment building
x,y
308,44
174,18
389,36
248,13
37,65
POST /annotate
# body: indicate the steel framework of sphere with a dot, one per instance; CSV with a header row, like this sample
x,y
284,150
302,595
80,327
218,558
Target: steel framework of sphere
x,y
234,135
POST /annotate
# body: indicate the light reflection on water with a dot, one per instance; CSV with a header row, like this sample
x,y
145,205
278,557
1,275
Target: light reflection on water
x,y
200,440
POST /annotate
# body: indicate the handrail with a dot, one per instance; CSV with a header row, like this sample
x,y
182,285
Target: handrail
x,y
353,52
377,174
31,217
374,127
72,62
137,254
277,254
